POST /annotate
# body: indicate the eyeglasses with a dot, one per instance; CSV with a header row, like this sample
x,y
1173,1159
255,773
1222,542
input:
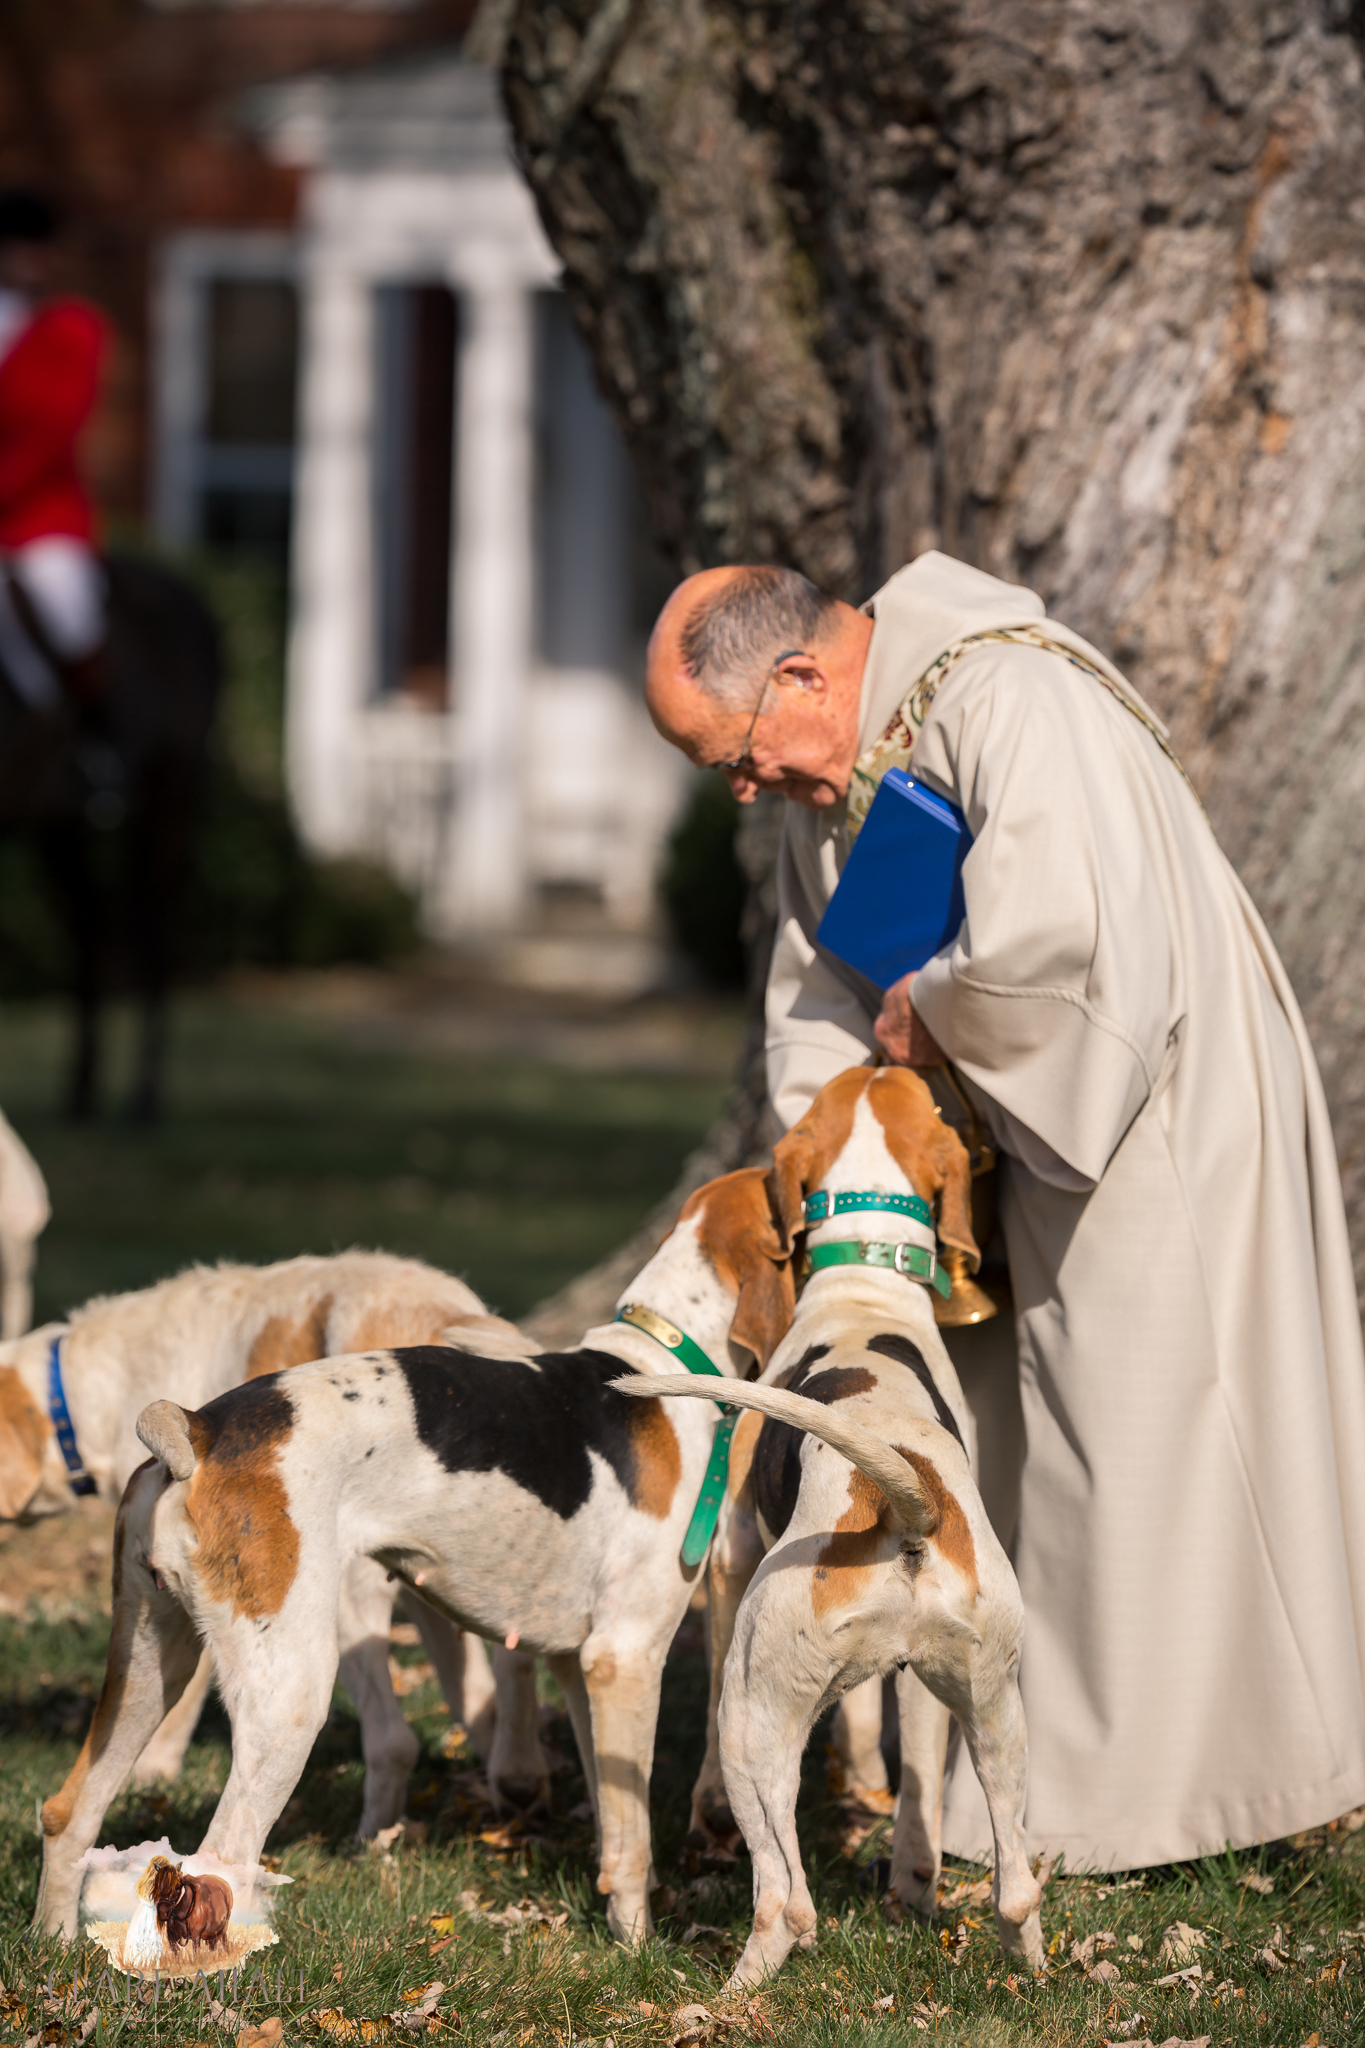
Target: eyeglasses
x,y
742,763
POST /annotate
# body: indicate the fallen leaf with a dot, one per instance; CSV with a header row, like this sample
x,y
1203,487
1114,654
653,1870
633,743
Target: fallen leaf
x,y
1256,1881
883,2004
424,1996
690,2023
1179,1942
1104,1973
643,2005
443,1923
269,2034
1083,1951
975,1894
1192,1975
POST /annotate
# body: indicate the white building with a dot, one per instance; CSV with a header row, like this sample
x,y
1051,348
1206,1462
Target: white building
x,y
471,578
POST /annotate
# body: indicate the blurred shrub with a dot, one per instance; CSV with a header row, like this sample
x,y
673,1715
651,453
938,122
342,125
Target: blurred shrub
x,y
702,886
255,896
33,949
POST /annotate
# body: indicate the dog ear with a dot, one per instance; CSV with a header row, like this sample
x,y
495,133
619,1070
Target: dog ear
x,y
763,1313
955,1197
23,1442
793,1167
757,1256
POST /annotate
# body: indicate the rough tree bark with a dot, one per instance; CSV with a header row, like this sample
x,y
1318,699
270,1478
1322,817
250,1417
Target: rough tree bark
x,y
1070,288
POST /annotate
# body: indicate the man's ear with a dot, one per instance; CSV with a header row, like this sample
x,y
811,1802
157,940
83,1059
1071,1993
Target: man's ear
x,y
955,1197
763,1313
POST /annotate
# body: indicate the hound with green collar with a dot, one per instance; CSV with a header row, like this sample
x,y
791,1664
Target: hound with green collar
x,y
858,1486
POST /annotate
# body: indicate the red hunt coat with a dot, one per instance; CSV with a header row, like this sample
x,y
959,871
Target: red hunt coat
x,y
49,381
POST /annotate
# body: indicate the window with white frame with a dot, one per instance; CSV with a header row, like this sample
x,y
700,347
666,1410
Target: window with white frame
x,y
226,374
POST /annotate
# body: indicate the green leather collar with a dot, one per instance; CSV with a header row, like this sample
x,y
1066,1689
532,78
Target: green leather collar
x,y
669,1335
914,1261
705,1514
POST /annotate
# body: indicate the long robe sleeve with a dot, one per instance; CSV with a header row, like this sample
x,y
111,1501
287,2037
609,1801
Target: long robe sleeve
x,y
1055,999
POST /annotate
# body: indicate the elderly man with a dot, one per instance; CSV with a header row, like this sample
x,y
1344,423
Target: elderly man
x,y
1191,1520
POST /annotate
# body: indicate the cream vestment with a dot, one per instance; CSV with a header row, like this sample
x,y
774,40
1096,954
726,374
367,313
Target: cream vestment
x,y
1191,1512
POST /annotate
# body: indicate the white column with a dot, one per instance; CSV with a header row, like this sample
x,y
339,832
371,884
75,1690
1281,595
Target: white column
x,y
331,643
491,579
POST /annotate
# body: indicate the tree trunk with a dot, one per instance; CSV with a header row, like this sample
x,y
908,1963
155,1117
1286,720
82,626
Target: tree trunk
x,y
1071,289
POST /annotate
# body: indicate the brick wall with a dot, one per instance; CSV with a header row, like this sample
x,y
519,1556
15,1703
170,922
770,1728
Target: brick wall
x,y
121,111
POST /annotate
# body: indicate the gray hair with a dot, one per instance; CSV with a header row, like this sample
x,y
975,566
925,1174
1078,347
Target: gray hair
x,y
730,641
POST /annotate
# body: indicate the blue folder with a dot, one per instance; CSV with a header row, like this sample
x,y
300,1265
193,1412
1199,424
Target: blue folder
x,y
899,899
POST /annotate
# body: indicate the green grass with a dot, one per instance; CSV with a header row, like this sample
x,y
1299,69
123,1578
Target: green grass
x,y
356,1931
295,1131
292,1132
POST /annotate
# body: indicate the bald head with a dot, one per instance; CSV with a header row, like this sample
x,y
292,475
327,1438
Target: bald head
x,y
722,637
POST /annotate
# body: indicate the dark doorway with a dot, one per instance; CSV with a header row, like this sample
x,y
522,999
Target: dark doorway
x,y
418,350
246,458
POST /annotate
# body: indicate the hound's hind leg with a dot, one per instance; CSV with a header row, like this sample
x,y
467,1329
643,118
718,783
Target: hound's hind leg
x,y
276,1682
766,1712
917,1846
165,1753
153,1651
389,1745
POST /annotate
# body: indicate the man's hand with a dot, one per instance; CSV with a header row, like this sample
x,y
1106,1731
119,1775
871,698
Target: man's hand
x,y
903,1039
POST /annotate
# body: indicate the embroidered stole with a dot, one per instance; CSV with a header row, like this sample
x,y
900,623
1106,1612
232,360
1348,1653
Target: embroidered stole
x,y
895,746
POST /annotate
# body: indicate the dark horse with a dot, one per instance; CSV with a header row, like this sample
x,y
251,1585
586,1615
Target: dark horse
x,y
129,768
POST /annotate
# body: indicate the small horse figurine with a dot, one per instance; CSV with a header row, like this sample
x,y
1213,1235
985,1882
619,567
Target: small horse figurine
x,y
191,1910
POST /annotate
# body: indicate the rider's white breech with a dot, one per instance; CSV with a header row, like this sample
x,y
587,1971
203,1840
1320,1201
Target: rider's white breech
x,y
64,583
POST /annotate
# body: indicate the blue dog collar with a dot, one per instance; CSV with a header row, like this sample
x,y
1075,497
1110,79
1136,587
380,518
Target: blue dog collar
x,y
60,1416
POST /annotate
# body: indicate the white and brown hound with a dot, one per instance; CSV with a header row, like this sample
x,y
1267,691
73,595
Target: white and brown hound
x,y
70,1395
521,1498
24,1215
859,1488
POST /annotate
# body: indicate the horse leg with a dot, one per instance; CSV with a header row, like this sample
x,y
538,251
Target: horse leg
x,y
64,848
160,838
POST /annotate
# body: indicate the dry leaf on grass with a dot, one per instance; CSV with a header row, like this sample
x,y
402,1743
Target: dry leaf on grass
x,y
690,2023
417,2015
975,1894
1172,2041
1192,1975
1179,1942
1104,1973
1094,1944
1256,1881
269,2034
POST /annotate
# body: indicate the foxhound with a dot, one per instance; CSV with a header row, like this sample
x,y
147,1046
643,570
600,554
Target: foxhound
x,y
70,1394
858,1486
24,1214
522,1498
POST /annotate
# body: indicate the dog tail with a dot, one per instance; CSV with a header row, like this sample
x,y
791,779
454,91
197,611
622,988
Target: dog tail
x,y
884,1466
165,1429
488,1337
